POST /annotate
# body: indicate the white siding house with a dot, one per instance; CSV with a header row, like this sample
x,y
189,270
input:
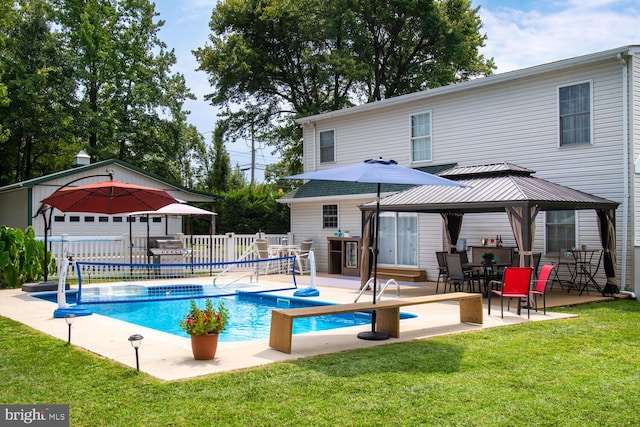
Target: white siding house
x,y
576,122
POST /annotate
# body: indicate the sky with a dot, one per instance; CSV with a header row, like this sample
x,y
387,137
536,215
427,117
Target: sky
x,y
520,33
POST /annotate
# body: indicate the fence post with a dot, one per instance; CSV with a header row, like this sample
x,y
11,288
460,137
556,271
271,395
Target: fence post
x,y
127,242
230,247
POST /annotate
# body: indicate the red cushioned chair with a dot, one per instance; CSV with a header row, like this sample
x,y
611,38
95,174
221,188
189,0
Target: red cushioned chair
x,y
541,286
515,284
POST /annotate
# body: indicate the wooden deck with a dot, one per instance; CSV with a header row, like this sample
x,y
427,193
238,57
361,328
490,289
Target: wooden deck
x,y
556,297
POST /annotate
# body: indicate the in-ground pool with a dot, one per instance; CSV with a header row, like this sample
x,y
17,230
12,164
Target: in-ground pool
x,y
249,314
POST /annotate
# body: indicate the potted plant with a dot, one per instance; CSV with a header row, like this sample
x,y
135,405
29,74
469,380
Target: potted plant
x,y
488,257
204,326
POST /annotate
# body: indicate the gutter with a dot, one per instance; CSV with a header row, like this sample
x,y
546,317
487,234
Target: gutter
x,y
625,169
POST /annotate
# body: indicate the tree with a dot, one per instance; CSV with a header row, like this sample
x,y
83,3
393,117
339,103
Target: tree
x,y
280,60
37,74
92,75
252,209
131,102
221,171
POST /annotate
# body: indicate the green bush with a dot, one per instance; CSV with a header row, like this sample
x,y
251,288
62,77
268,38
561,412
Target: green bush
x,y
21,257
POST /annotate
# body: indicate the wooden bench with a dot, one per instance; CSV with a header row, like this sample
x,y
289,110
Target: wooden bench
x,y
387,312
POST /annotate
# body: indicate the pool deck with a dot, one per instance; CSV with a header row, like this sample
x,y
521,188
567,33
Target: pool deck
x,y
168,357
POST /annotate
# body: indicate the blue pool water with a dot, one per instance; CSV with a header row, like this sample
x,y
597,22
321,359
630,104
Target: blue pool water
x,y
249,315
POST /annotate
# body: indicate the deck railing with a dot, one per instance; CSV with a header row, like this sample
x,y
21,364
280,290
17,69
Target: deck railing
x,y
123,249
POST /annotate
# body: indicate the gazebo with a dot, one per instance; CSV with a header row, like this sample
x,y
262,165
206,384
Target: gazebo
x,y
503,187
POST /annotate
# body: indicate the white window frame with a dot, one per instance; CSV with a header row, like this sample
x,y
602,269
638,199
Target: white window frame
x,y
322,216
570,144
320,147
415,244
428,137
546,234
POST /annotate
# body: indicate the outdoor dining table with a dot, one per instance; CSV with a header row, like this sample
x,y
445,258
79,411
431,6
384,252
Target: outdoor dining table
x,y
587,264
284,252
488,272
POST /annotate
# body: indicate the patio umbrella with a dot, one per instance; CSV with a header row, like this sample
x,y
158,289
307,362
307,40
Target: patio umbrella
x,y
178,209
108,197
376,171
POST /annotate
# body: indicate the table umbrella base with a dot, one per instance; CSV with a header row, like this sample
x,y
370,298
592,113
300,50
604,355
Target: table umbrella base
x,y
373,336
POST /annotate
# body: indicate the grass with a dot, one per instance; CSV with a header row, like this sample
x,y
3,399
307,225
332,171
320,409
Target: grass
x,y
576,372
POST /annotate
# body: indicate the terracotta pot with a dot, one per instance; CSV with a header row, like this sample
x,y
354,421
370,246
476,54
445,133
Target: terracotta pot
x,y
204,346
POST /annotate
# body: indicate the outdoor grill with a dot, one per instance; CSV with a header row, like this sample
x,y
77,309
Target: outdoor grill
x,y
167,251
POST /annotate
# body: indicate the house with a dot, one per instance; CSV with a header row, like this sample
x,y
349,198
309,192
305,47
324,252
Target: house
x,y
19,203
575,122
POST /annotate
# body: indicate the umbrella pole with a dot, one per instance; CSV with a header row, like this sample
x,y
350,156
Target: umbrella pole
x,y
373,334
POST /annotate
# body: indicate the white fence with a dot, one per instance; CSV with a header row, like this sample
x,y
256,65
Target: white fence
x,y
123,249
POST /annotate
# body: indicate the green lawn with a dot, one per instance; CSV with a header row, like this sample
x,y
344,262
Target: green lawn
x,y
575,372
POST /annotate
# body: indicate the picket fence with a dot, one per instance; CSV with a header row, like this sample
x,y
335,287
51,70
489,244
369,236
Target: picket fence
x,y
133,249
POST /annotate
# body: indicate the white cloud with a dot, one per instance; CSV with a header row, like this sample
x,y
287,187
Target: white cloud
x,y
518,39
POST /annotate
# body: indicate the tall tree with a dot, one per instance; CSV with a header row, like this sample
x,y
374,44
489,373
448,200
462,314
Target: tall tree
x,y
6,13
285,59
221,171
37,74
132,103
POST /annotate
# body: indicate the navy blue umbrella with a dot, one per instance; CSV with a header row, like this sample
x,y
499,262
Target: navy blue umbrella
x,y
376,171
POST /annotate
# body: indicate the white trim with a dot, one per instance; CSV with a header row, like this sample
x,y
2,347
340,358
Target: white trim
x,y
337,205
334,146
411,137
591,133
546,222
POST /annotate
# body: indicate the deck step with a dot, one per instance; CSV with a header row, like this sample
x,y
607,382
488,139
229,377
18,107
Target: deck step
x,y
402,274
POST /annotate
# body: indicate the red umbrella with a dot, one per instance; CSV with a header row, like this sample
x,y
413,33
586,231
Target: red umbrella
x,y
109,197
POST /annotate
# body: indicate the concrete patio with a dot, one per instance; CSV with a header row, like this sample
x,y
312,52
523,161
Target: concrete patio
x,y
168,357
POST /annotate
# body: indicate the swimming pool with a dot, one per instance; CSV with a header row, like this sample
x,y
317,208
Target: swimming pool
x,y
249,314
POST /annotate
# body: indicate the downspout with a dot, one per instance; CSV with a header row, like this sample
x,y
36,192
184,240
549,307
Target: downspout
x,y
625,169
315,166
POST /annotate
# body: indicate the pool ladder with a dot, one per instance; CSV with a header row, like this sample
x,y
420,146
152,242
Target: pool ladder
x,y
382,289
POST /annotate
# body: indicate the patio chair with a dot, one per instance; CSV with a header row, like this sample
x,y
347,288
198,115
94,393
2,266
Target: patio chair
x,y
264,254
472,272
442,269
456,276
515,284
541,286
566,260
302,257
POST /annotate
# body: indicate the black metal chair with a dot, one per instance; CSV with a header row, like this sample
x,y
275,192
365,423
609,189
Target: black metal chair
x,y
456,276
442,270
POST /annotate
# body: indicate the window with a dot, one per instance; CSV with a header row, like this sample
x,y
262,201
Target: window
x,y
117,219
561,230
144,219
327,146
574,106
398,239
74,218
58,218
103,219
89,219
421,137
156,219
329,216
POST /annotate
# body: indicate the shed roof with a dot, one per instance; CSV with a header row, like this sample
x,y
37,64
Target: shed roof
x,y
491,188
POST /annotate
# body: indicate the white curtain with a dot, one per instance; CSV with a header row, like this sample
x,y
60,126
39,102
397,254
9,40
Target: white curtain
x,y
398,239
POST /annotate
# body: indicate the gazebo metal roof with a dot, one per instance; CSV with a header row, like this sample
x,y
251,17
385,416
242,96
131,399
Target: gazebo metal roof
x,y
491,188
